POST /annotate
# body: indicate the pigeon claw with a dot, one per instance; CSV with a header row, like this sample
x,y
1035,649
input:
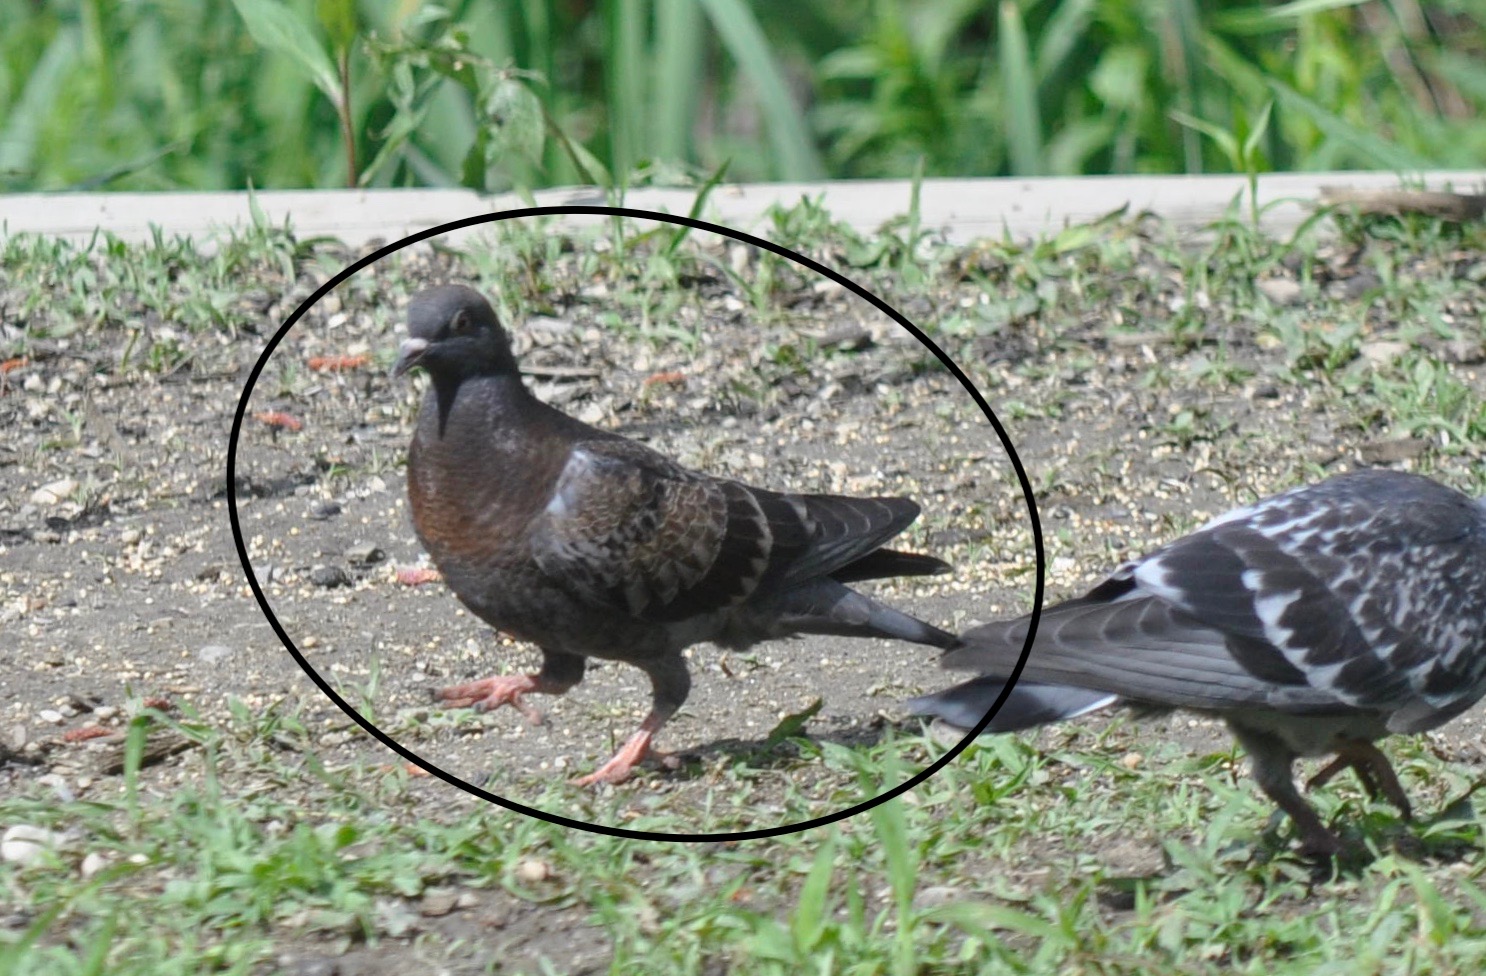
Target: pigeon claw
x,y
619,769
490,693
1372,768
1319,844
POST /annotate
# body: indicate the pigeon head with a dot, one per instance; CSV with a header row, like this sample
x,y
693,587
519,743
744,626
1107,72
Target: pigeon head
x,y
453,333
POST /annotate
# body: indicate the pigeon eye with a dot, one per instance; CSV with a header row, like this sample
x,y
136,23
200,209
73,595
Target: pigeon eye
x,y
461,324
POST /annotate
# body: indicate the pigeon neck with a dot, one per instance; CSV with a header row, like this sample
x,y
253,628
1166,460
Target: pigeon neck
x,y
504,388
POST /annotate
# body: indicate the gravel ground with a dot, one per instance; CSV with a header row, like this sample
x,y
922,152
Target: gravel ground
x,y
120,576
1148,382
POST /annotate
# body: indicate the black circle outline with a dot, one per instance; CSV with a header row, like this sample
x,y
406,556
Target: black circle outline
x,y
696,224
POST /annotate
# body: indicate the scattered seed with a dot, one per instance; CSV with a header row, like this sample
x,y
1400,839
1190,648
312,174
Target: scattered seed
x,y
84,734
337,364
417,575
279,420
670,378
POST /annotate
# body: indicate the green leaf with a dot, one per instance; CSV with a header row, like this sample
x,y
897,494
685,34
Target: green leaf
x,y
891,826
96,962
283,31
1259,20
625,68
810,915
1467,73
338,18
28,114
679,78
791,725
984,918
1257,129
1224,139
134,740
1377,151
514,116
1019,91
1119,79
788,133
1062,34
698,203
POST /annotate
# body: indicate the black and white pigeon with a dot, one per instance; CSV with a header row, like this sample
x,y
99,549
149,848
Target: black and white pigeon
x,y
1313,622
590,545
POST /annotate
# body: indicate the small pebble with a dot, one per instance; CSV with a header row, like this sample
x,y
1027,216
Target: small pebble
x,y
58,784
54,492
364,554
214,653
24,844
1464,351
438,902
532,870
93,863
936,896
329,577
324,510
1281,291
51,716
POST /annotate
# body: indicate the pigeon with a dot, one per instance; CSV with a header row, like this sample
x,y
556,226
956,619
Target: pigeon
x,y
591,545
1313,622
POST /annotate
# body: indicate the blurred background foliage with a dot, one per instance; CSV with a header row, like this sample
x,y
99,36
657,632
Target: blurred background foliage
x,y
495,94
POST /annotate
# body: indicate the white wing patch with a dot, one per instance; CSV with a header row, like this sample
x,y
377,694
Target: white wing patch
x,y
1270,607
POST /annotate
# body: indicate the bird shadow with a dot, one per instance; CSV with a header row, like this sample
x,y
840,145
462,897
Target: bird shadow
x,y
762,753
1451,836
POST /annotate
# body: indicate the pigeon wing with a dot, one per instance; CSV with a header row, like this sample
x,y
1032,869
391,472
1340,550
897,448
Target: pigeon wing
x,y
628,528
1365,592
1370,587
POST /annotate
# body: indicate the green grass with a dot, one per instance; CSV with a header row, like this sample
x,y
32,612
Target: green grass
x,y
1092,850
993,864
516,96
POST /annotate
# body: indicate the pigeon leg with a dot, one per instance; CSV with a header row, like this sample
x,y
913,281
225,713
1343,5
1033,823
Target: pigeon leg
x,y
559,673
618,769
1373,769
670,683
1271,763
1329,771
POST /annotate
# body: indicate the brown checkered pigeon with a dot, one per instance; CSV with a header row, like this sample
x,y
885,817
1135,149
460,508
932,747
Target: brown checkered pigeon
x,y
590,545
1314,622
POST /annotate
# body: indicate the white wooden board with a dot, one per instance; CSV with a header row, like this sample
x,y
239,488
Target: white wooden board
x,y
964,209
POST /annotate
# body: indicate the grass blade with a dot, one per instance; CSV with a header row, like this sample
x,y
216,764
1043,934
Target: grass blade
x,y
891,826
625,66
1019,91
19,134
1182,23
1366,145
795,155
678,79
1261,20
1061,36
1224,139
810,915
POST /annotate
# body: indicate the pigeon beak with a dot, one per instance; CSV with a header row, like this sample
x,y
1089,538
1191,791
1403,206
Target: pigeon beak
x,y
408,355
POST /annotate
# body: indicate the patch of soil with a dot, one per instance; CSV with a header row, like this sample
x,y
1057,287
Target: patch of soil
x,y
121,577
120,583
